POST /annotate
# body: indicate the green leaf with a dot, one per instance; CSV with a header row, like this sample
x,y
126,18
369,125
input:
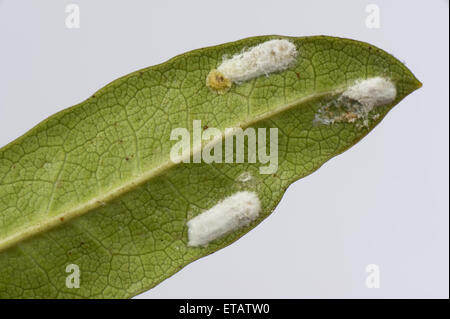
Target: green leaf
x,y
94,185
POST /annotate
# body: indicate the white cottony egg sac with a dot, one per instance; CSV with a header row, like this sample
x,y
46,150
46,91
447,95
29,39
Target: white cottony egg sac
x,y
372,92
232,213
262,59
357,101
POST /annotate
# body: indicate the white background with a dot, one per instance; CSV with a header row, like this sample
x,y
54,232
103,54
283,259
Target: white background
x,y
385,201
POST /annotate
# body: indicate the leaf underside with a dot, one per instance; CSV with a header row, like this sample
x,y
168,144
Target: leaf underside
x,y
93,185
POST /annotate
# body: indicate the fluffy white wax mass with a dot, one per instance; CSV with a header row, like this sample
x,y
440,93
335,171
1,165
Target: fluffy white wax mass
x,y
232,213
262,59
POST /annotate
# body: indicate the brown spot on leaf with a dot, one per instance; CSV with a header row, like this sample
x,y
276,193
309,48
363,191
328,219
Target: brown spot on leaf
x,y
218,82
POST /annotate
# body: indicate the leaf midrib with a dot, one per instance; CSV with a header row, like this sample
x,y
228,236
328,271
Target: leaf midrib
x,y
129,186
